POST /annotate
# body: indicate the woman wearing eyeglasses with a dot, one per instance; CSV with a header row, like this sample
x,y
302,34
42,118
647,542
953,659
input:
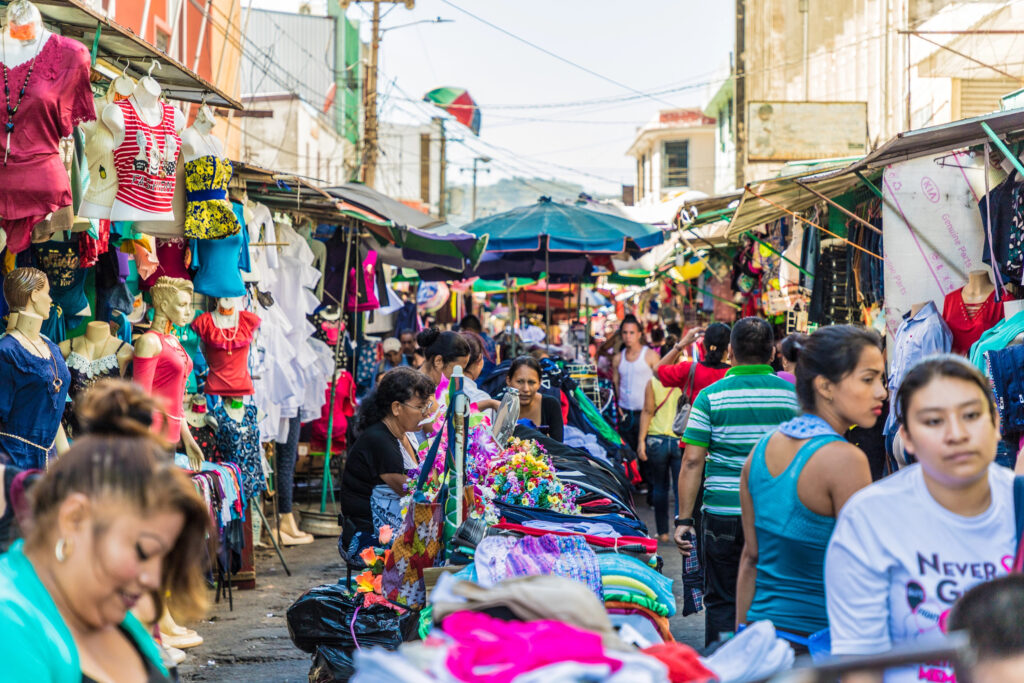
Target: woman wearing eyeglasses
x,y
383,452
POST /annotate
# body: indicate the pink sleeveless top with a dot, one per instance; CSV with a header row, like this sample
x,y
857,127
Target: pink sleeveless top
x,y
163,376
147,160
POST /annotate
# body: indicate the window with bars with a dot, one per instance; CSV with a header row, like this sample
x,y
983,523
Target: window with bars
x,y
676,166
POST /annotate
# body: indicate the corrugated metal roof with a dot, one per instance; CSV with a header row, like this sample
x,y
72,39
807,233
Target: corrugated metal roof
x,y
286,52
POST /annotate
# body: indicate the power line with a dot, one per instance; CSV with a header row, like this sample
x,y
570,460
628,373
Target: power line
x,y
555,55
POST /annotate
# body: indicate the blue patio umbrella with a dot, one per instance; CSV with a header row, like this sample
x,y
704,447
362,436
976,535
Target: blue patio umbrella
x,y
549,233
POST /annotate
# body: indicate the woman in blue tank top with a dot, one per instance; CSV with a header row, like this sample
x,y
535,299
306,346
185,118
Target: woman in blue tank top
x,y
799,476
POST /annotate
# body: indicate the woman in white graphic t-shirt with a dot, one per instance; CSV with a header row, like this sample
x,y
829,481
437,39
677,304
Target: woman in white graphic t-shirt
x,y
906,548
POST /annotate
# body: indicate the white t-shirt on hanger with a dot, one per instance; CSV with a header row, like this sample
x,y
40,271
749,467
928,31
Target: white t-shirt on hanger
x,y
898,560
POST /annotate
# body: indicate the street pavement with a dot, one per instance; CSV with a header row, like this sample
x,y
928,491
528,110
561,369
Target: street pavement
x,y
250,643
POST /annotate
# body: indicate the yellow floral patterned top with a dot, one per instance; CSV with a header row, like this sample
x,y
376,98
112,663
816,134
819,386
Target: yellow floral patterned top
x,y
208,214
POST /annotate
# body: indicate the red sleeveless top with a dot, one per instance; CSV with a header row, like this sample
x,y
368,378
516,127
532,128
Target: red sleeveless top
x,y
147,160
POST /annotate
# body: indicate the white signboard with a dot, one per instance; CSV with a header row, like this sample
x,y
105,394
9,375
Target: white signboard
x,y
932,232
794,131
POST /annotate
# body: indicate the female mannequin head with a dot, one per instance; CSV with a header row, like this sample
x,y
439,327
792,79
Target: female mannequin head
x,y
172,299
442,351
27,290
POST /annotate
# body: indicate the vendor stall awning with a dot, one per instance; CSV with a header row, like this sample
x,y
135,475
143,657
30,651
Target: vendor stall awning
x,y
767,201
76,19
934,140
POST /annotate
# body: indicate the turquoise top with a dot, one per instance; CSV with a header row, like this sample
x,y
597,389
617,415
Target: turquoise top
x,y
996,338
791,544
35,643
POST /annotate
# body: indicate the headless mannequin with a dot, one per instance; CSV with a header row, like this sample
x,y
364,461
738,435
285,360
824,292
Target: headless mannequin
x,y
24,35
145,99
150,345
98,342
99,151
26,330
197,141
226,316
916,308
978,288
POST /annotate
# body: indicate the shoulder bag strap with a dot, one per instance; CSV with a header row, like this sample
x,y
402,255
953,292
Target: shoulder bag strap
x,y
1018,523
690,381
428,462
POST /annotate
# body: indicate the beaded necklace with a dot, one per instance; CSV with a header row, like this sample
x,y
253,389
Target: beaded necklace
x,y
11,111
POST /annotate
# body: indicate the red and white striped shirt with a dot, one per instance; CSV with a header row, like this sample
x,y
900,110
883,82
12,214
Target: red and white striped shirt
x,y
147,160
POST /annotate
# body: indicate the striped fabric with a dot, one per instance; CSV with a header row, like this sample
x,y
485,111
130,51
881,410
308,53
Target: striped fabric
x,y
146,161
728,418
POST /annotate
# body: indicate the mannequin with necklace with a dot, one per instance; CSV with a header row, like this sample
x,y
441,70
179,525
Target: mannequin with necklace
x,y
46,93
226,334
96,355
146,146
238,441
34,378
162,366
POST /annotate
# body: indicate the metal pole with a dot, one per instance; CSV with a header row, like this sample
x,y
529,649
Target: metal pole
x,y
547,294
475,160
442,209
327,480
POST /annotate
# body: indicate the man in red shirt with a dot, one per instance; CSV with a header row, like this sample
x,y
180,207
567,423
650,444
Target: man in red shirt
x,y
672,373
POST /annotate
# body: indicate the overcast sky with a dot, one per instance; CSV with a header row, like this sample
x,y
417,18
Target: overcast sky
x,y
644,45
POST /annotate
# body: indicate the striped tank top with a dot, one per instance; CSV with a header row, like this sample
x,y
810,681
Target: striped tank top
x,y
146,160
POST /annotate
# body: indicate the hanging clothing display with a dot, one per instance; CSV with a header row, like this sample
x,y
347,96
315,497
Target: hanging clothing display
x,y
50,95
1002,217
969,321
33,391
999,337
217,263
924,334
146,162
208,214
238,441
174,255
227,353
60,262
344,408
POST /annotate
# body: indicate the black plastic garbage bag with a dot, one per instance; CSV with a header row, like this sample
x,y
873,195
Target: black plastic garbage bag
x,y
322,622
332,665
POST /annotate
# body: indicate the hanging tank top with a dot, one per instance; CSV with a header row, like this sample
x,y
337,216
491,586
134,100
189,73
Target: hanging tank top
x,y
633,378
791,544
146,161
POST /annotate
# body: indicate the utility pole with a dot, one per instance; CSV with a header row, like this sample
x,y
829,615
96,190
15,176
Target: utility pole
x,y
368,165
486,160
442,208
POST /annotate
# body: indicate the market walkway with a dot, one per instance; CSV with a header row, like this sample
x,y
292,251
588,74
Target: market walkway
x,y
251,643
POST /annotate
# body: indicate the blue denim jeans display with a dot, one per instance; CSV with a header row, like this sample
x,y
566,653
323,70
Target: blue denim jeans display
x,y
664,458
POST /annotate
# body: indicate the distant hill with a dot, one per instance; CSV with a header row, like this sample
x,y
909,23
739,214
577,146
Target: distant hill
x,y
506,194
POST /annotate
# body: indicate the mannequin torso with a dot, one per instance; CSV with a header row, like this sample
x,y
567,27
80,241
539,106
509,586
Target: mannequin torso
x,y
99,150
98,344
149,110
978,288
16,52
198,141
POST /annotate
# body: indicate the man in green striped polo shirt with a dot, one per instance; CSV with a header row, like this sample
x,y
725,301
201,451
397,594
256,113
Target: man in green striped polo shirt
x,y
727,420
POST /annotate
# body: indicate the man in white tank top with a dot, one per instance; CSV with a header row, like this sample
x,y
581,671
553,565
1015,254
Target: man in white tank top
x,y
635,367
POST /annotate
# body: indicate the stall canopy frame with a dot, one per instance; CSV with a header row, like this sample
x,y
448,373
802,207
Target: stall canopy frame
x,y
75,19
768,200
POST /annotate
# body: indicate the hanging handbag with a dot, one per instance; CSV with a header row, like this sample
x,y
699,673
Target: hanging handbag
x,y
685,404
418,545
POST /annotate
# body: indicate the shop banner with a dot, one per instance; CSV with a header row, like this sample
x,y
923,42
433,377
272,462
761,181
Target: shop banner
x,y
932,231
